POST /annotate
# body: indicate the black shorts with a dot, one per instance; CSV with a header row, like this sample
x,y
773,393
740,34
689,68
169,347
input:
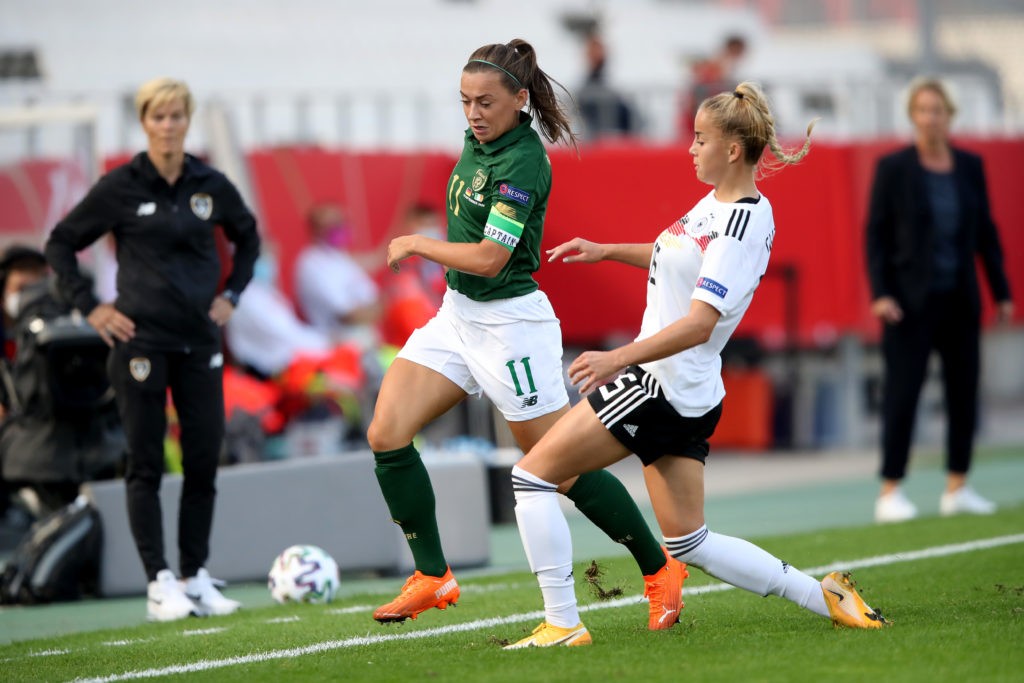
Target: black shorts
x,y
634,409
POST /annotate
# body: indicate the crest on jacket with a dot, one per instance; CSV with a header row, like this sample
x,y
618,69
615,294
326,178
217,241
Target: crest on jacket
x,y
139,367
202,205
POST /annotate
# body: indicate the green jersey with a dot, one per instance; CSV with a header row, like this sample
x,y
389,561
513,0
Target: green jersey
x,y
499,191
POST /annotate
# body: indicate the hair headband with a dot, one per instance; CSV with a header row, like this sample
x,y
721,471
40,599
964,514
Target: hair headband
x,y
504,71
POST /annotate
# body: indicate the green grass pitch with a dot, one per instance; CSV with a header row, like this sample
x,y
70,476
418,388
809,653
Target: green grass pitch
x,y
957,608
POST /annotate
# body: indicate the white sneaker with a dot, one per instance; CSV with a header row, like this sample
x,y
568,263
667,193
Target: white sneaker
x,y
202,590
894,507
165,600
965,499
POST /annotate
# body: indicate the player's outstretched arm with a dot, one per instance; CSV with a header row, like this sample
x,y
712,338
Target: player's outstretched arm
x,y
579,250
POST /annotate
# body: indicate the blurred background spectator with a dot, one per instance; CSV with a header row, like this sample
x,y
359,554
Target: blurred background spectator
x,y
335,294
605,112
264,333
413,294
711,75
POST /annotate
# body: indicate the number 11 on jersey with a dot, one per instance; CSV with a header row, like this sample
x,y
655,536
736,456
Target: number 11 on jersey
x,y
525,362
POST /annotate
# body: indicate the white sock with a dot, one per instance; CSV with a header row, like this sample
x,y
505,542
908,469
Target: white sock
x,y
548,545
746,566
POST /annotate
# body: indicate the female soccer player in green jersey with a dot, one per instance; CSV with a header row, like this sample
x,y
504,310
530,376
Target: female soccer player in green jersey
x,y
495,332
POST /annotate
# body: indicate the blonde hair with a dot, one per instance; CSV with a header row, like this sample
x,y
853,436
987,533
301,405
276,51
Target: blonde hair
x,y
160,91
923,83
744,113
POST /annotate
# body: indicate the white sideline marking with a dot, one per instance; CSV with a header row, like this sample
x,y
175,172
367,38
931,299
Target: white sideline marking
x,y
326,646
350,610
283,620
48,653
203,631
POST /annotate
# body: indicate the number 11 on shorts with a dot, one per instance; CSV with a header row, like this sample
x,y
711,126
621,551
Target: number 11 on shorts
x,y
525,362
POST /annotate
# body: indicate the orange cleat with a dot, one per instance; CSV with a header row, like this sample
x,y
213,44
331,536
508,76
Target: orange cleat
x,y
420,593
664,592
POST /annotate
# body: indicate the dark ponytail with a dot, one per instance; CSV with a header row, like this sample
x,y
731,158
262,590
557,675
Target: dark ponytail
x,y
516,61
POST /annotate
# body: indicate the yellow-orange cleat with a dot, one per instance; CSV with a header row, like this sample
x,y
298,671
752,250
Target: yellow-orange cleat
x,y
664,592
547,635
420,593
845,605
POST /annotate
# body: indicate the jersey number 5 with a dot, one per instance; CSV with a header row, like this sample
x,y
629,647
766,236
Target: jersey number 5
x,y
608,391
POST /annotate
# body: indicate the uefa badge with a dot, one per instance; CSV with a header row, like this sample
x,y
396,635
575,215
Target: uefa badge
x,y
139,367
479,179
202,205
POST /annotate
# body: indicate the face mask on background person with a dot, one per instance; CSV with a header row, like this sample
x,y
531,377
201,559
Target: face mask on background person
x,y
12,304
338,236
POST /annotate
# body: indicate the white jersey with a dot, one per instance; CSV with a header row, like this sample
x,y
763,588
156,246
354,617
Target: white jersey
x,y
716,253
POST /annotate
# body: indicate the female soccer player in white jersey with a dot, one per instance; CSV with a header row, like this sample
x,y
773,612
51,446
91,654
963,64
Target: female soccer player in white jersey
x,y
666,395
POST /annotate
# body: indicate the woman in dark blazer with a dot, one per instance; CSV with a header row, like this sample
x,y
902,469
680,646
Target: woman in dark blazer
x,y
928,221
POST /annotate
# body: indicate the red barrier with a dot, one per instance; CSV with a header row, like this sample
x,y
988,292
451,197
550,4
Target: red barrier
x,y
622,193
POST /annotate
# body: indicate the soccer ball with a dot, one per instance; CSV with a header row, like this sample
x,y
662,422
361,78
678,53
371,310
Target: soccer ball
x,y
303,573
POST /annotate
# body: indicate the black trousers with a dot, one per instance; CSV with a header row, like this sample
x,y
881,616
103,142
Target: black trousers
x,y
141,378
950,325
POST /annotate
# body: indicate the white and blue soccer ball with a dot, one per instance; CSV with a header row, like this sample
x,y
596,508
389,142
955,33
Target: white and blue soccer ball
x,y
303,573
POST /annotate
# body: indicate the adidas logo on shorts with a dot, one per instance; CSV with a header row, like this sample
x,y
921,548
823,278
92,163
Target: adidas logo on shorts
x,y
630,428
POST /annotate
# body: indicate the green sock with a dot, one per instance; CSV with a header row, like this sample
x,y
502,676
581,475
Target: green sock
x,y
605,501
406,487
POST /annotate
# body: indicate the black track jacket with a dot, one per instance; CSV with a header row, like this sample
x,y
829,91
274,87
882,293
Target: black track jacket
x,y
168,265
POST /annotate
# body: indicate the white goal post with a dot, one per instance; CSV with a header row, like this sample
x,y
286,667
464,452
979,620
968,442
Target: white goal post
x,y
49,158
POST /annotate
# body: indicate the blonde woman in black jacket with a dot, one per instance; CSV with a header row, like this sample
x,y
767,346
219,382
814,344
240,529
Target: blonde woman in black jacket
x,y
164,329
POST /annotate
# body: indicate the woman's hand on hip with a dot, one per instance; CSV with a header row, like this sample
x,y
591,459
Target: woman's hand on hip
x,y
221,310
111,324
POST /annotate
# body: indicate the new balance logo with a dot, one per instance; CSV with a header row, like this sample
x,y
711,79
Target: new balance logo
x,y
631,429
530,401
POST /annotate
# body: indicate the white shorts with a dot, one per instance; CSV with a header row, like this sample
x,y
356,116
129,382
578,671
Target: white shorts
x,y
510,350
